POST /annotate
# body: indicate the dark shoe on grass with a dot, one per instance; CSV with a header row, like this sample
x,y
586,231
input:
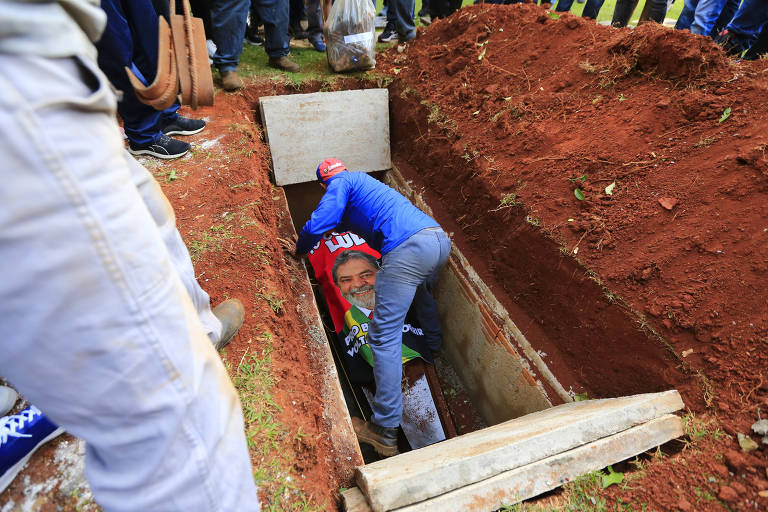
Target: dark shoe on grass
x,y
296,32
164,147
383,439
184,126
231,314
389,35
283,63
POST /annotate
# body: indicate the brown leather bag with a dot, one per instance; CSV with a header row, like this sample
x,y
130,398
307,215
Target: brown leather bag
x,y
182,58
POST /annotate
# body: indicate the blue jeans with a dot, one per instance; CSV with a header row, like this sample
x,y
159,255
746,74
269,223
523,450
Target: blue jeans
x,y
749,20
689,10
130,40
400,15
228,21
408,272
700,15
101,333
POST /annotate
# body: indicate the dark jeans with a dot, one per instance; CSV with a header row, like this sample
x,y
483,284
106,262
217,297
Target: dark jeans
x,y
591,8
130,40
443,8
400,15
656,11
314,16
228,20
749,20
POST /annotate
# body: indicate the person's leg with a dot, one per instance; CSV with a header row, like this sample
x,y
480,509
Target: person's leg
x,y
424,302
274,14
403,270
760,46
93,303
315,24
563,5
592,9
165,219
116,51
403,15
623,12
686,15
654,10
228,20
730,8
749,20
295,14
707,12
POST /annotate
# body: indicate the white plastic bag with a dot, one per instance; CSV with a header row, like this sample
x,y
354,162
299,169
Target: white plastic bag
x,y
350,35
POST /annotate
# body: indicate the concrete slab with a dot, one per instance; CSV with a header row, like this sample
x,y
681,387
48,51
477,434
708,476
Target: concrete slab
x,y
304,129
437,469
533,479
354,500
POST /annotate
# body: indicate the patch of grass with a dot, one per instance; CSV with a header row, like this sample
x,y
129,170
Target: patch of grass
x,y
169,175
275,303
265,434
705,141
698,429
507,201
211,240
586,67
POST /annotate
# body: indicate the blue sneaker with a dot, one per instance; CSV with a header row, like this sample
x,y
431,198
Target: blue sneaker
x,y
317,42
20,435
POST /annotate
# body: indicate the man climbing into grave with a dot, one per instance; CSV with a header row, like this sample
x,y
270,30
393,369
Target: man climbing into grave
x,y
414,248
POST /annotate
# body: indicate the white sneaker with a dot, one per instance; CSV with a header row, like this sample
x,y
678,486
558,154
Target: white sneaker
x,y
8,399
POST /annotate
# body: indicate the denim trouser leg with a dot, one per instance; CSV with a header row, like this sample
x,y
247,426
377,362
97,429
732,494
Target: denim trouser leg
x,y
130,39
295,12
314,18
749,20
592,8
707,12
686,15
100,332
730,8
402,15
274,14
165,219
564,5
404,269
228,20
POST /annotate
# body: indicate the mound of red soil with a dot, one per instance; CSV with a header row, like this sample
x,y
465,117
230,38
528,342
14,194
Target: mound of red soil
x,y
637,160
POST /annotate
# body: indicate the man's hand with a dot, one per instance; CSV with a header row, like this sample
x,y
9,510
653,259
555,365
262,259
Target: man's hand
x,y
289,245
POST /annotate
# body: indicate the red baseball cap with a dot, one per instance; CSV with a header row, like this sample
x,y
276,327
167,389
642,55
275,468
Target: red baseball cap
x,y
328,168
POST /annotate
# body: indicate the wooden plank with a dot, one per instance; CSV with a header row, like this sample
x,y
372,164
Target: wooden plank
x,y
531,480
354,501
304,129
434,470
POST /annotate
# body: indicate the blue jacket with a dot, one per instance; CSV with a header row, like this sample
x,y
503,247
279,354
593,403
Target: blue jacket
x,y
354,201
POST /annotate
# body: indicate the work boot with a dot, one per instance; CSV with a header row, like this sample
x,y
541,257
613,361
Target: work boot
x,y
231,314
230,81
283,63
383,439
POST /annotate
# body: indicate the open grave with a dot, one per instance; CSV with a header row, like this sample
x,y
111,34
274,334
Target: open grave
x,y
505,376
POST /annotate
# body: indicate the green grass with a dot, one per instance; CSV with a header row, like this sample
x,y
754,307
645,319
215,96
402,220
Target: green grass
x,y
265,434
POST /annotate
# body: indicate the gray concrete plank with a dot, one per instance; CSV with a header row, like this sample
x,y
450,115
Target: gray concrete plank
x,y
533,479
354,501
304,129
434,470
